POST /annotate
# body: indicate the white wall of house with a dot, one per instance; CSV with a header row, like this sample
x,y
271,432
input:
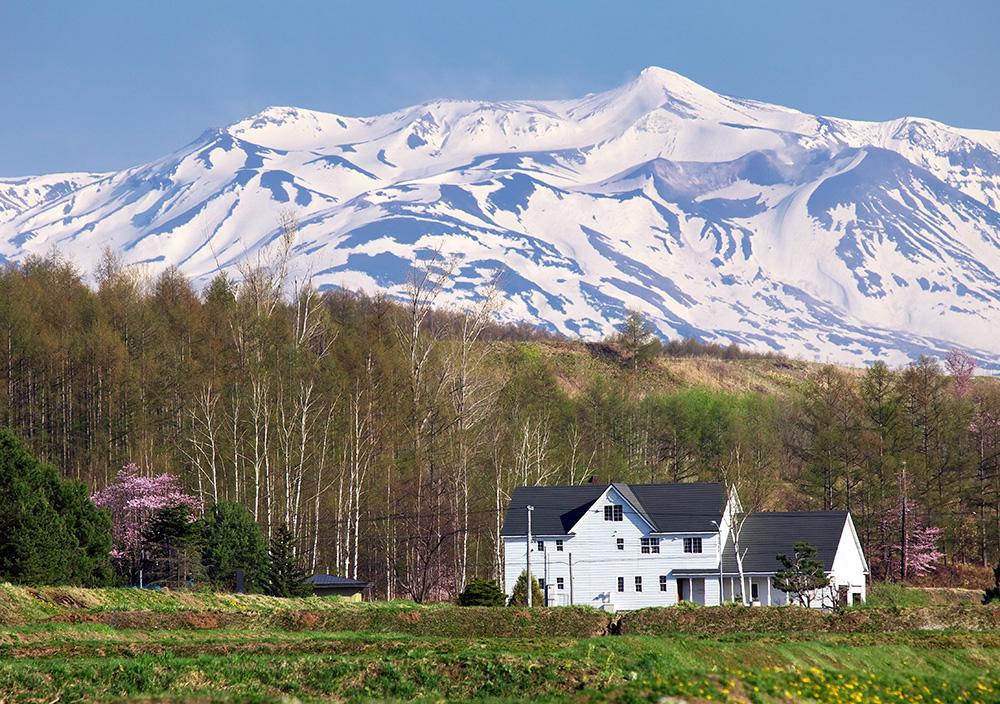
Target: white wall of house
x,y
598,563
849,566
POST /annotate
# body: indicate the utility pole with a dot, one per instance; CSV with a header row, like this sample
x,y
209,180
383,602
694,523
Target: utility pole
x,y
571,579
902,526
545,592
718,552
527,552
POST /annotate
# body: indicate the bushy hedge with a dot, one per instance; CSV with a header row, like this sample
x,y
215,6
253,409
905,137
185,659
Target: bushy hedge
x,y
446,621
792,619
473,622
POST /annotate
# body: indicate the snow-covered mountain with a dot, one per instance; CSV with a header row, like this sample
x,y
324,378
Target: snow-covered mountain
x,y
720,217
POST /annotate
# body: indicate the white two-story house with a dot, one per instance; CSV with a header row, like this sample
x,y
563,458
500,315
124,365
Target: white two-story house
x,y
630,546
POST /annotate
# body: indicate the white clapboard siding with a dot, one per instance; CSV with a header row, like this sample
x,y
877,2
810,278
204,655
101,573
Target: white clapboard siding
x,y
849,566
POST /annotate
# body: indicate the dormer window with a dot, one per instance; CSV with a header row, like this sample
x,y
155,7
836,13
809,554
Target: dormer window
x,y
613,512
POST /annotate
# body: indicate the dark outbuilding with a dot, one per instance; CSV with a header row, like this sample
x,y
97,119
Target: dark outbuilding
x,y
334,585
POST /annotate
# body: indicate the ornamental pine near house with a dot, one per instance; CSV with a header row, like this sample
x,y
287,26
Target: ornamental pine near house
x,y
801,575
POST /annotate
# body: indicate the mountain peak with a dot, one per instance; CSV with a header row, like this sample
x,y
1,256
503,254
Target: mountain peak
x,y
666,80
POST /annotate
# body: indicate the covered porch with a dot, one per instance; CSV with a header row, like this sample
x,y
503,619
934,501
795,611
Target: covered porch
x,y
757,588
703,587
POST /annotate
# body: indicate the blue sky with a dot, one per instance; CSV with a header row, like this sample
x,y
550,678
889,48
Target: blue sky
x,y
103,85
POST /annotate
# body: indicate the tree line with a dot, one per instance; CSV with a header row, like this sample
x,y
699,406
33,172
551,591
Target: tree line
x,y
387,434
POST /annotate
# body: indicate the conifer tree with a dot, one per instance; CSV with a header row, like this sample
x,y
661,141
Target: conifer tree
x,y
482,592
50,533
285,577
992,594
172,546
801,574
231,540
520,595
636,335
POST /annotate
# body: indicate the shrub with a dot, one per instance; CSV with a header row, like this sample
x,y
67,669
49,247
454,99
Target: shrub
x,y
520,595
687,605
482,592
993,593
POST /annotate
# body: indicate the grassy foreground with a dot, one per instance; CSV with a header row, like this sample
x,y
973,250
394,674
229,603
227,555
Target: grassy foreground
x,y
68,662
129,645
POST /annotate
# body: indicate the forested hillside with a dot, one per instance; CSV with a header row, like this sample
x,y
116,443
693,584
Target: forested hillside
x,y
388,435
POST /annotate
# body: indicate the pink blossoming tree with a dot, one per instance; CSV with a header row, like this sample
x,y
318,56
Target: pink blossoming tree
x,y
962,367
133,500
908,544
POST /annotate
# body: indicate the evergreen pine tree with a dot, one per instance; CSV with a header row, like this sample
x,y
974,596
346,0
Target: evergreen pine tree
x,y
50,532
636,335
520,595
801,575
232,540
285,577
482,592
172,546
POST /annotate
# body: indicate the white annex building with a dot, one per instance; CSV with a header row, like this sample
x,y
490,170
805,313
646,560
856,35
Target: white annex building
x,y
630,546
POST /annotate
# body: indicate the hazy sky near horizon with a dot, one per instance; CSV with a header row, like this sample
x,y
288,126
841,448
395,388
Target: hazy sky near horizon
x,y
103,85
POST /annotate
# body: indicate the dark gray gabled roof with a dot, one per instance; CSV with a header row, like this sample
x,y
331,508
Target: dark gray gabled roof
x,y
557,508
332,580
669,508
766,535
682,508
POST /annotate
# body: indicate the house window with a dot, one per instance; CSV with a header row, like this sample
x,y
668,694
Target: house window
x,y
541,546
621,584
650,545
613,513
559,546
754,594
620,542
856,598
559,583
663,582
638,583
692,544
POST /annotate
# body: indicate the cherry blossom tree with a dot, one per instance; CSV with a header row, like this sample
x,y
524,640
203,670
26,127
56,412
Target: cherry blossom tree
x,y
133,500
961,366
911,543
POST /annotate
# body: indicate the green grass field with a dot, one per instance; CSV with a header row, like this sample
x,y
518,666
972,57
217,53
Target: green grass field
x,y
126,645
